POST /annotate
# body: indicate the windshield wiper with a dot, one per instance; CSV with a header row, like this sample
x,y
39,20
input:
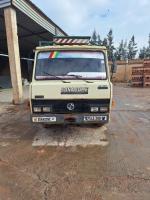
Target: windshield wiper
x,y
76,76
56,77
79,76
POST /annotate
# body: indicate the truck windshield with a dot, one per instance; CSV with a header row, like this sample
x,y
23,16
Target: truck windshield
x,y
70,65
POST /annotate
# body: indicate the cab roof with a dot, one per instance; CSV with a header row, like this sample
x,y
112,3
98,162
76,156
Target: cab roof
x,y
69,43
71,47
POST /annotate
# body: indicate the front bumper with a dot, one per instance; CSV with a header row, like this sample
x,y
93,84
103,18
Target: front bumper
x,y
70,118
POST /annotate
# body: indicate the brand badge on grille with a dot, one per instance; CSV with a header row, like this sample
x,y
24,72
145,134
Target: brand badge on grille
x,y
74,90
70,106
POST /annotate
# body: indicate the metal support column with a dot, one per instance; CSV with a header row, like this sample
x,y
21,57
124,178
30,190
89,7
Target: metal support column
x,y
14,55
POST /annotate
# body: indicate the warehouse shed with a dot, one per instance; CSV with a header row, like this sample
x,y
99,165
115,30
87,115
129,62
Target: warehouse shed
x,y
22,26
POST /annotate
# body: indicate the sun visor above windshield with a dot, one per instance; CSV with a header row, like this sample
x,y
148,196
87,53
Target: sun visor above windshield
x,y
70,54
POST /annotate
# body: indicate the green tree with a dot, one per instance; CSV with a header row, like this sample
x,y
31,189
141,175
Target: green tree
x,y
105,42
94,37
132,48
143,53
99,41
110,45
148,48
149,41
125,51
119,50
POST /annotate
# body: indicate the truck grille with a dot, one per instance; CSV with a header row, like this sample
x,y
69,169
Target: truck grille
x,y
80,106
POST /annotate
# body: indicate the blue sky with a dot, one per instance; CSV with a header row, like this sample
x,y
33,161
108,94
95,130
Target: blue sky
x,y
78,17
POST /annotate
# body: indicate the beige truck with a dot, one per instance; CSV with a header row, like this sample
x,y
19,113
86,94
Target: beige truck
x,y
71,83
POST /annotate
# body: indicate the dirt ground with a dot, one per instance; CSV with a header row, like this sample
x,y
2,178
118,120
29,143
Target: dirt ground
x,y
78,163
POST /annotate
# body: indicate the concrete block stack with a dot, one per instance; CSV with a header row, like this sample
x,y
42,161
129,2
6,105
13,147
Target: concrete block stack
x,y
137,76
141,75
146,73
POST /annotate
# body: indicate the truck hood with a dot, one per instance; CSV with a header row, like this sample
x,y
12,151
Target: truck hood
x,y
74,89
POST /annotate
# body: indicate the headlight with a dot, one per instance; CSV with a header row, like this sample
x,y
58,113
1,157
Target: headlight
x,y
37,109
47,109
103,109
94,109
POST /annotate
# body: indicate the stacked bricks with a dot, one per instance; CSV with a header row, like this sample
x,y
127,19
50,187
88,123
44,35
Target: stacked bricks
x,y
146,73
141,75
137,76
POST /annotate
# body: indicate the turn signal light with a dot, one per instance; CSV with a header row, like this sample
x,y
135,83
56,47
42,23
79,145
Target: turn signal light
x,y
37,109
103,109
94,109
46,109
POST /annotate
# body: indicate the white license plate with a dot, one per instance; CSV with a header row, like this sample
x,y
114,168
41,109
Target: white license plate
x,y
95,118
44,119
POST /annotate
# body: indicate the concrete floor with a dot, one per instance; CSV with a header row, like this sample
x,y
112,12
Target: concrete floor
x,y
78,163
6,94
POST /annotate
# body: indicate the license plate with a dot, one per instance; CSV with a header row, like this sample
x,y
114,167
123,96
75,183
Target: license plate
x,y
44,119
95,118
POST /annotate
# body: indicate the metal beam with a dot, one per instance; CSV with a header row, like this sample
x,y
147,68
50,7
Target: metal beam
x,y
6,55
28,30
5,3
28,8
34,13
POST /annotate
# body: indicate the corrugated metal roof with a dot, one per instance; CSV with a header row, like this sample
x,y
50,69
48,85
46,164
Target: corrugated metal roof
x,y
32,11
4,3
29,33
33,26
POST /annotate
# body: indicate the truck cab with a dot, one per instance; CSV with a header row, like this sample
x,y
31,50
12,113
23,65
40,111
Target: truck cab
x,y
71,83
